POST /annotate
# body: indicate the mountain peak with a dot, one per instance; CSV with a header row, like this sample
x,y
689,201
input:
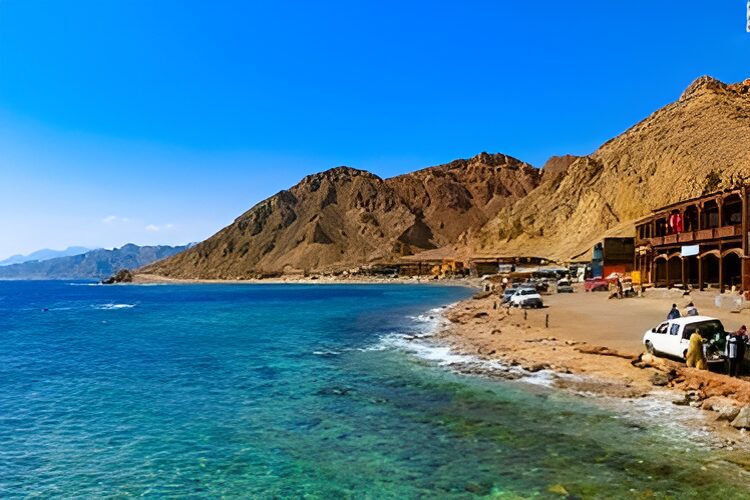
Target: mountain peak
x,y
337,174
704,82
709,83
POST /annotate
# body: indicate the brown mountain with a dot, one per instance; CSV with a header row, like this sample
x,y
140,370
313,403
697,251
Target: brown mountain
x,y
345,217
489,204
676,153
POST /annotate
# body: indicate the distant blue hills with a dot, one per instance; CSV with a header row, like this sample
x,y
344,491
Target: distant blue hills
x,y
92,264
44,254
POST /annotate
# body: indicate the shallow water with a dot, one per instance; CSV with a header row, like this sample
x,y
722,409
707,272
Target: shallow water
x,y
299,390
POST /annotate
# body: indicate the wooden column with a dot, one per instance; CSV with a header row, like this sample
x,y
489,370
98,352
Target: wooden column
x,y
700,216
720,204
683,262
700,274
666,271
721,272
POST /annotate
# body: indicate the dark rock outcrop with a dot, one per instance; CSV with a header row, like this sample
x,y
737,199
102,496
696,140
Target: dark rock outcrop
x,y
121,276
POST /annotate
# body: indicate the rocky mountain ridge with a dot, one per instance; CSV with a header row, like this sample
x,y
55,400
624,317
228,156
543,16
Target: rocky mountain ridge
x,y
94,264
491,204
665,158
344,217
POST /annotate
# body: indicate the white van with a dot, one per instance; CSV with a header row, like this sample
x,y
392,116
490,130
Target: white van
x,y
672,337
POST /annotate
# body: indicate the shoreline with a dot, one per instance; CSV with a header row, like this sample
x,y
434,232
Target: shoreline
x,y
151,279
499,343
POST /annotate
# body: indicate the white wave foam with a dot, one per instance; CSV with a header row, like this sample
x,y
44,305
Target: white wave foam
x,y
419,343
109,307
679,422
84,284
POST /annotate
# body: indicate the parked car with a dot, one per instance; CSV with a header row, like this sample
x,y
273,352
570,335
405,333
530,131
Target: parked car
x,y
596,285
526,297
564,286
508,293
671,337
541,286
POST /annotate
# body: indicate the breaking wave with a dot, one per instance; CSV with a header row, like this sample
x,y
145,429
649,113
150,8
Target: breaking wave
x,y
109,307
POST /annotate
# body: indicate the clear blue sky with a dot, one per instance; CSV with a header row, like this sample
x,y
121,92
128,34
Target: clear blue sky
x,y
159,122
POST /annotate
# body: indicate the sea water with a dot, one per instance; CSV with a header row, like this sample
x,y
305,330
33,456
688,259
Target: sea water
x,y
300,391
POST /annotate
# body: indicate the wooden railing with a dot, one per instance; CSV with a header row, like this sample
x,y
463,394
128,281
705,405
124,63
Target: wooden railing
x,y
687,236
692,236
727,231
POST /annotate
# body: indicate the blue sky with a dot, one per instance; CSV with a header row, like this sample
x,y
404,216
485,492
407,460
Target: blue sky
x,y
160,122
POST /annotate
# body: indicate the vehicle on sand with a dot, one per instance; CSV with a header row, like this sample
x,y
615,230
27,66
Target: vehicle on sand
x,y
671,337
596,285
564,286
526,297
508,293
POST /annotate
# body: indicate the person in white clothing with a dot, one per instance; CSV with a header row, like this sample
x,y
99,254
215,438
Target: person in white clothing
x,y
691,310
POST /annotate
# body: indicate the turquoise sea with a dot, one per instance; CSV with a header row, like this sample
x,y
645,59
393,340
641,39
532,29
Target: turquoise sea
x,y
302,391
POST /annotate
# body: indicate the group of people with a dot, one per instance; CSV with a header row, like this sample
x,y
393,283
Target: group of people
x,y
690,310
735,346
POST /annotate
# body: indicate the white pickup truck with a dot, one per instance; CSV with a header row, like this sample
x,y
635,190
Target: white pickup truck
x,y
526,297
671,337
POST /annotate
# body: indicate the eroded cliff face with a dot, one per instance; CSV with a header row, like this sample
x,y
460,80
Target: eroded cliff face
x,y
664,158
345,217
458,198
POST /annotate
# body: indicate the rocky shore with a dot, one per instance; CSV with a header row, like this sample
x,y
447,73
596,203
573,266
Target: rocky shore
x,y
529,342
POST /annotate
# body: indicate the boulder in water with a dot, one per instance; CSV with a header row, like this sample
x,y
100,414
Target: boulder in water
x,y
121,276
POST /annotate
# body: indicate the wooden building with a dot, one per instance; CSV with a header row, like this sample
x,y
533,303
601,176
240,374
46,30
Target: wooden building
x,y
698,242
482,265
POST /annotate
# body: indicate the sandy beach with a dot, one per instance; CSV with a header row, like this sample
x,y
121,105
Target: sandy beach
x,y
153,279
593,346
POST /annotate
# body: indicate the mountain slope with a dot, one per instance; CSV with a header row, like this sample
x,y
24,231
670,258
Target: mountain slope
x,y
662,159
95,264
459,197
489,204
345,217
44,254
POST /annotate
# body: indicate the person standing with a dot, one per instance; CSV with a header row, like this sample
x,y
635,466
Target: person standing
x,y
696,357
741,342
732,351
691,310
674,313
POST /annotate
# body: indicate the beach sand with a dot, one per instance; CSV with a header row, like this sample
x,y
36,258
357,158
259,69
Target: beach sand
x,y
593,346
152,279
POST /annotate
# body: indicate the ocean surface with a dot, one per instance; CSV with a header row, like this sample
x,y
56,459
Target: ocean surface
x,y
315,391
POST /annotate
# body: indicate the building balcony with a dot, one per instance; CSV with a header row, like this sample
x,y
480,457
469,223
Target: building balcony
x,y
657,240
714,233
728,231
686,237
